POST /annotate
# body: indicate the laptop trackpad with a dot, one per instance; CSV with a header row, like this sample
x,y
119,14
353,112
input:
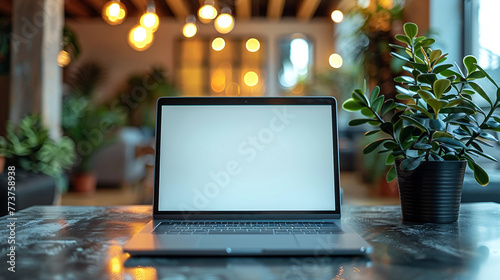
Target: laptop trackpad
x,y
247,243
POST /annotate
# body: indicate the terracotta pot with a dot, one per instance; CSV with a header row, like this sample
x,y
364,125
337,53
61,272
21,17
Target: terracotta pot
x,y
432,192
2,164
84,182
387,189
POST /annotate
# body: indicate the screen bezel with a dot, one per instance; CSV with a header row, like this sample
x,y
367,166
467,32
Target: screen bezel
x,y
242,101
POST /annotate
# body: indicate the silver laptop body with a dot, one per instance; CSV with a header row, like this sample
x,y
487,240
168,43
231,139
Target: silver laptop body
x,y
246,176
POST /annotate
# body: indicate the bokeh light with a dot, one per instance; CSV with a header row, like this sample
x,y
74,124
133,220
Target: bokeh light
x,y
114,12
335,60
140,38
63,58
189,30
252,45
150,20
251,78
218,44
224,23
337,16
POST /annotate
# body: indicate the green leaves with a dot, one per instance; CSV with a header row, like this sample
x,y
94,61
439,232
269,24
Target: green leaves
x,y
415,123
487,75
438,120
359,122
427,78
441,68
440,86
481,92
479,174
437,105
411,163
435,55
28,143
470,63
374,145
451,141
351,105
391,174
437,125
403,39
422,146
359,96
398,56
374,94
411,29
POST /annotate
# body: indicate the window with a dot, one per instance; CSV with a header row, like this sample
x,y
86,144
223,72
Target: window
x,y
481,38
295,64
221,67
485,43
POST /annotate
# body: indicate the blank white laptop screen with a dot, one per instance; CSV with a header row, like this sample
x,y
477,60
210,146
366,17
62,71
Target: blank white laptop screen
x,y
246,158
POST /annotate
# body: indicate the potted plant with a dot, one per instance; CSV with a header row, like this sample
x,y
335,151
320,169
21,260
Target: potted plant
x,y
89,124
142,109
29,147
436,131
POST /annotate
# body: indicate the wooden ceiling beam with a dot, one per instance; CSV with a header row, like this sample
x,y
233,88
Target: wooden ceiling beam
x,y
180,8
275,9
96,4
244,9
306,9
140,5
77,9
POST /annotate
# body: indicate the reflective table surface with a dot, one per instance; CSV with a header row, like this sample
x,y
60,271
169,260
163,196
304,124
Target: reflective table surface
x,y
70,242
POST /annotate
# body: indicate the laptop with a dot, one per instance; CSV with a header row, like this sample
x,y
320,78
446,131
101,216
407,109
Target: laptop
x,y
246,176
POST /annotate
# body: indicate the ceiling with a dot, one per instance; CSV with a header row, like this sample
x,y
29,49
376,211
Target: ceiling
x,y
243,9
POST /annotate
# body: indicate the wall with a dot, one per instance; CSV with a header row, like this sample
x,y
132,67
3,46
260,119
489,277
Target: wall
x,y
108,45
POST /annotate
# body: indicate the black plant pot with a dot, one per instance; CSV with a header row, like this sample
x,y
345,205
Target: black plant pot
x,y
432,192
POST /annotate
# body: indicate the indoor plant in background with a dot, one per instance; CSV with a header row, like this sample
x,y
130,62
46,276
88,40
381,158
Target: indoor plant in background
x,y
29,147
140,95
435,132
89,124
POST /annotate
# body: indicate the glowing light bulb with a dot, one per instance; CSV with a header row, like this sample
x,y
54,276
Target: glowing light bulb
x,y
63,58
114,9
121,14
337,16
207,13
335,60
114,12
140,34
252,45
224,23
251,78
150,20
140,38
189,30
218,44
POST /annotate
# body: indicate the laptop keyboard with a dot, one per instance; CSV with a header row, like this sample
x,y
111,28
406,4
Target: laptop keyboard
x,y
246,228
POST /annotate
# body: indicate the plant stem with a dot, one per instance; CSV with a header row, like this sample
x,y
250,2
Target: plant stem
x,y
376,115
428,153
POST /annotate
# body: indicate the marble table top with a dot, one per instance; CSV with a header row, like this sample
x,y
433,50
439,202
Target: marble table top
x,y
81,242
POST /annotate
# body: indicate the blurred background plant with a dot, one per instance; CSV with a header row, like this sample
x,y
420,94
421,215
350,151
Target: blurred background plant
x,y
29,147
363,39
89,124
372,27
140,95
